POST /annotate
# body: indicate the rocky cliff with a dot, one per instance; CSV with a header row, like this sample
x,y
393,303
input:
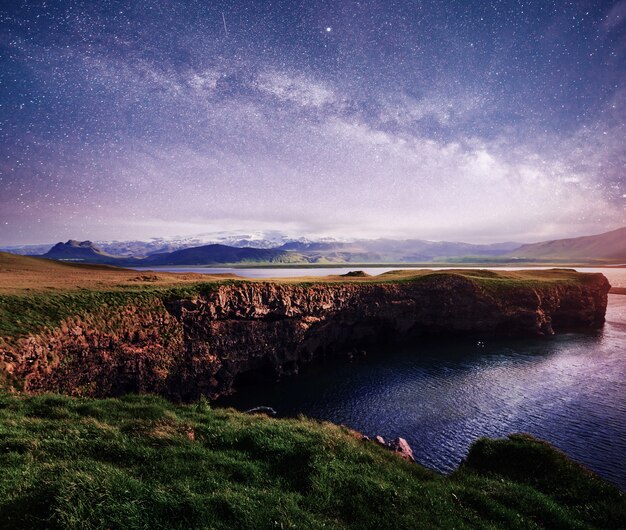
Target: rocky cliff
x,y
206,344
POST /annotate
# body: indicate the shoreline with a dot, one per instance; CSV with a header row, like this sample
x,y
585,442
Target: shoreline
x,y
426,265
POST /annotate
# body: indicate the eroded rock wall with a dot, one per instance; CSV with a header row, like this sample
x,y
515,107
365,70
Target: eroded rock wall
x,y
184,348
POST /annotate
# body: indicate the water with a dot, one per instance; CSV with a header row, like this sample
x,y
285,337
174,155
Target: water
x,y
286,272
569,389
617,276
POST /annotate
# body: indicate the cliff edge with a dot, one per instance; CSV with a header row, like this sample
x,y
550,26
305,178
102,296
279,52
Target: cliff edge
x,y
201,340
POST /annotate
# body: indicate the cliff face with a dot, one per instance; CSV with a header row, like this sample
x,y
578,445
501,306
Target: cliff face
x,y
184,348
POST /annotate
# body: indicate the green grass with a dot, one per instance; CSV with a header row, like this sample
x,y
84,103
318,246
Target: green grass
x,y
141,462
21,314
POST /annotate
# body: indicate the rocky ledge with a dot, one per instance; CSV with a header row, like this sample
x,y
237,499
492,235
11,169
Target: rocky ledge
x,y
207,344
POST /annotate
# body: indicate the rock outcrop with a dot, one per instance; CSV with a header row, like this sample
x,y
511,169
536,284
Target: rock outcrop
x,y
206,345
402,447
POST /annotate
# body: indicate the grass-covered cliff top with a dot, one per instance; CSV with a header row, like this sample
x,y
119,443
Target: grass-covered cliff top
x,y
36,293
141,462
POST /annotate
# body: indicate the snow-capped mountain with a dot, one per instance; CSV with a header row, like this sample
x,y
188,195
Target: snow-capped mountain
x,y
159,245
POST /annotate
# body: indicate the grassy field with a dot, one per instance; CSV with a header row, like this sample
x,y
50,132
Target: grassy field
x,y
23,275
141,462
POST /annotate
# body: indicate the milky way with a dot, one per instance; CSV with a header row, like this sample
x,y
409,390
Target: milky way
x,y
476,121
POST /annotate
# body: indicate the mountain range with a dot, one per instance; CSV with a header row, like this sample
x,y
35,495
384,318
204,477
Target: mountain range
x,y
160,245
87,252
609,246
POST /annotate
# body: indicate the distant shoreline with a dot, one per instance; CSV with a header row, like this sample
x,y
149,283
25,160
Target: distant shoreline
x,y
381,265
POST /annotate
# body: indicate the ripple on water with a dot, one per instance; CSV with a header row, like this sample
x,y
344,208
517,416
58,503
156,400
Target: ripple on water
x,y
568,389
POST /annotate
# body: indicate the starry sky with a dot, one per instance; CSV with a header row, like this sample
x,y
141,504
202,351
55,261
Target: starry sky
x,y
466,120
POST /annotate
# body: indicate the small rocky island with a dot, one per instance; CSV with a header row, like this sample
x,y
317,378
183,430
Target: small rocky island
x,y
201,339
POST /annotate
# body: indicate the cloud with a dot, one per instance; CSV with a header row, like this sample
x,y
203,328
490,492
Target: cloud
x,y
441,188
343,177
446,110
230,147
615,16
204,80
296,89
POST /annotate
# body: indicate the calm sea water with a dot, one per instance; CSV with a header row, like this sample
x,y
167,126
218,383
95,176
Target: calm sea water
x,y
614,274
569,389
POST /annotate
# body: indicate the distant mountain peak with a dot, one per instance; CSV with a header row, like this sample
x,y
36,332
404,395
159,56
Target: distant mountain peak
x,y
75,243
75,250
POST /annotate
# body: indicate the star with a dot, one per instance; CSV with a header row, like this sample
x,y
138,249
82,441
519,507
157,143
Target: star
x,y
376,128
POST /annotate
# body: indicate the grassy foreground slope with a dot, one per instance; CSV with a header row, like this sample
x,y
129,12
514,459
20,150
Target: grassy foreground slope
x,y
141,462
